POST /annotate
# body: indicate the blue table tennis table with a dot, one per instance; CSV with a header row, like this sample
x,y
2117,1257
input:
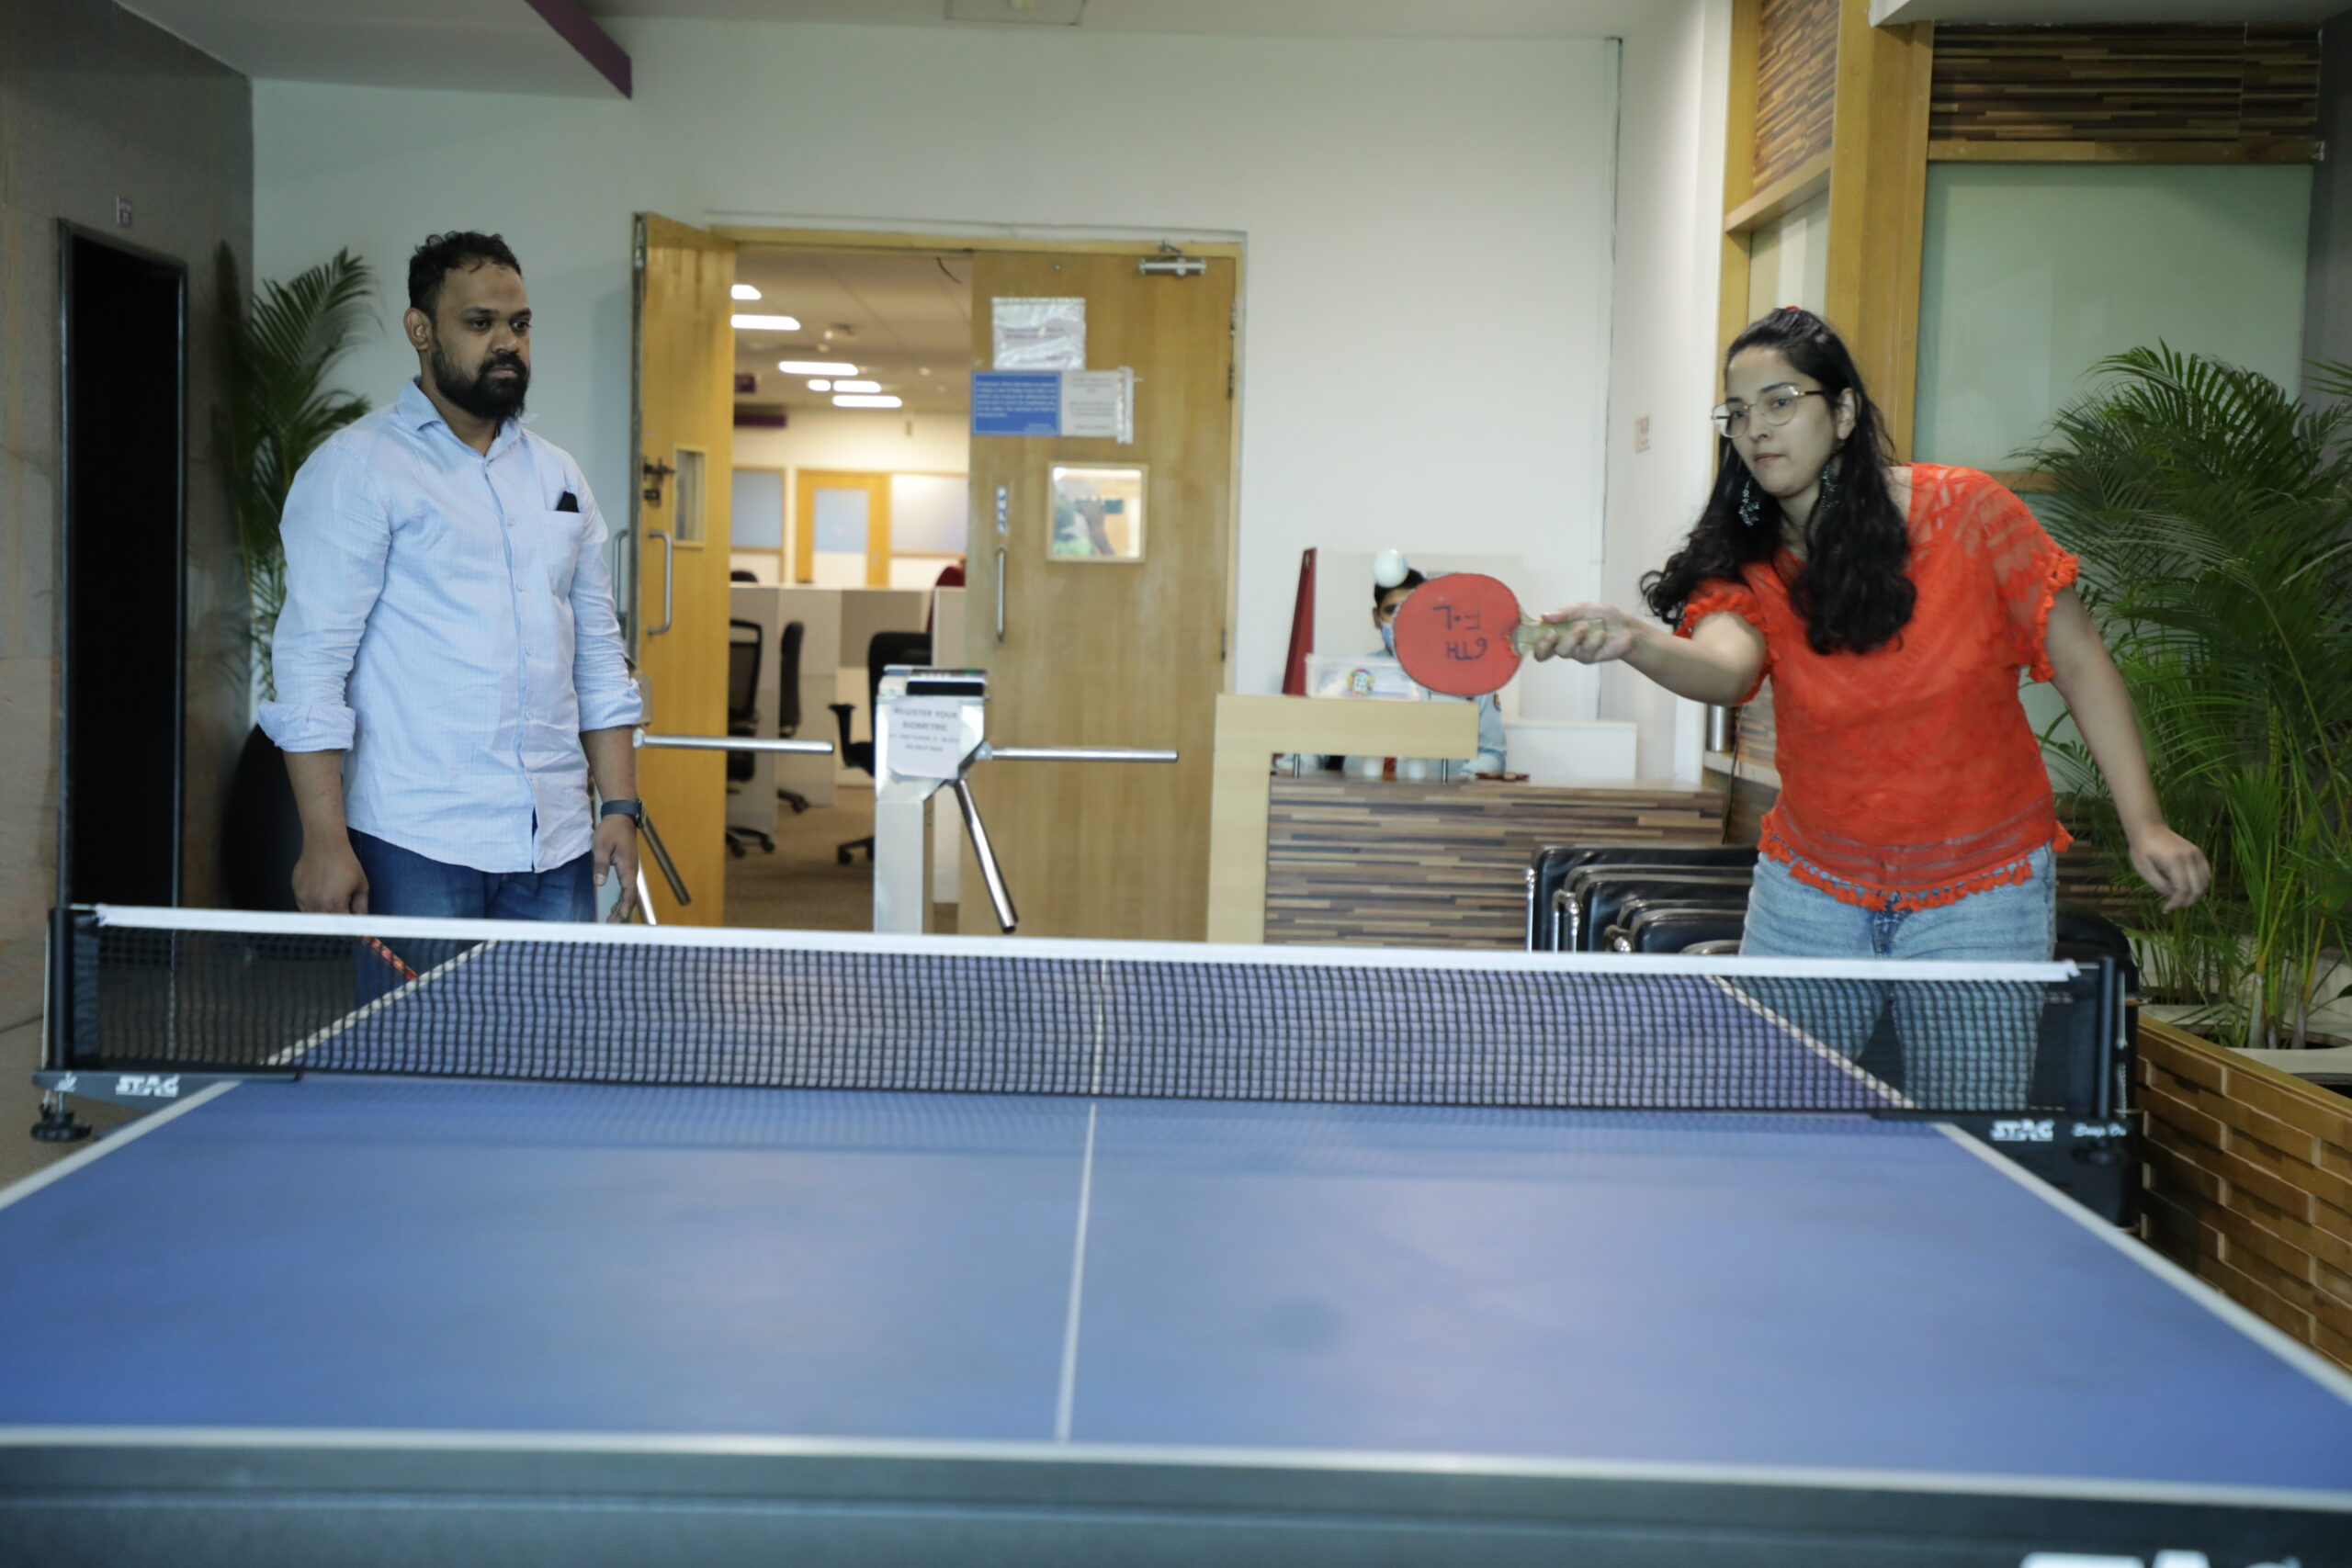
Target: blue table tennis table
x,y
371,1319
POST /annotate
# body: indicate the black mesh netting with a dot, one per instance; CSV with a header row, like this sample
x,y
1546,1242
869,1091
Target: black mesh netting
x,y
1381,1031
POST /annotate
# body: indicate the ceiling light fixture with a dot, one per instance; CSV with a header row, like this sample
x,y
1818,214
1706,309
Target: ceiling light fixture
x,y
745,291
765,323
820,386
866,400
857,386
815,367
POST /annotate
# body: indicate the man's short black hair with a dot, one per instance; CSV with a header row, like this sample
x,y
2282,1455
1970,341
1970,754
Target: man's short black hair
x,y
1412,580
458,251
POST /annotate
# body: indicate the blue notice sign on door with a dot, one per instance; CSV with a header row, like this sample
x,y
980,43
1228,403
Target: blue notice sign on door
x,y
1016,403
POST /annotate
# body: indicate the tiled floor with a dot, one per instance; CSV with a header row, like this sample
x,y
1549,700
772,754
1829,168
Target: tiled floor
x,y
801,885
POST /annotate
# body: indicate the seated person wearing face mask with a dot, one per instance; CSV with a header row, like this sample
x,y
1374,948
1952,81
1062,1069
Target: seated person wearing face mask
x,y
1494,747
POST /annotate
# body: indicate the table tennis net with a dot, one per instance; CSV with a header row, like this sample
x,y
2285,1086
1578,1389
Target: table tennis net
x,y
807,1010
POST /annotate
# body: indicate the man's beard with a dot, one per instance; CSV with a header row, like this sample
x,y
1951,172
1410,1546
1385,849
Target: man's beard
x,y
482,395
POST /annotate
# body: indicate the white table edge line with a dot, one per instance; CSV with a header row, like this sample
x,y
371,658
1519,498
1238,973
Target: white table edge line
x,y
2300,1357
1066,1391
1851,1068
24,1187
751,1446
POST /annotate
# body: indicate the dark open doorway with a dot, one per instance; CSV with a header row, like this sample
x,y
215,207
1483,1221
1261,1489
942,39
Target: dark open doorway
x,y
124,392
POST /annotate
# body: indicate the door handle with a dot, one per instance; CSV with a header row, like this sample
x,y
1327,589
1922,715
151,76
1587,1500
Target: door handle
x,y
1000,593
669,583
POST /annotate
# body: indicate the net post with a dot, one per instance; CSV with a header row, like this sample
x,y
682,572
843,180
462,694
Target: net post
x,y
68,1015
2110,1089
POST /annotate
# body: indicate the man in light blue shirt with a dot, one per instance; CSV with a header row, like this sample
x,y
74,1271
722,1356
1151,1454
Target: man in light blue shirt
x,y
450,668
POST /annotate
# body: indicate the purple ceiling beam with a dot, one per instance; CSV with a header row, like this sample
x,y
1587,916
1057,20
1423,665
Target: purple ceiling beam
x,y
595,46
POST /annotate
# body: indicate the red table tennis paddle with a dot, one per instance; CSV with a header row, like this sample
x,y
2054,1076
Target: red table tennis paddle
x,y
1463,633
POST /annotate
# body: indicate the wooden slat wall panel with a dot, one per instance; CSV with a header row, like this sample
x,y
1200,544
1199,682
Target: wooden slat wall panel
x,y
2249,1184
1759,730
2125,84
1368,863
1796,83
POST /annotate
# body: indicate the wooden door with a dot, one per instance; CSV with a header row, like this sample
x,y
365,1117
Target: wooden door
x,y
684,423
1108,653
874,494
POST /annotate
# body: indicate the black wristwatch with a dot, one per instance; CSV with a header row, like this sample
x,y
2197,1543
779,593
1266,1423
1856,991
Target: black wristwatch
x,y
632,809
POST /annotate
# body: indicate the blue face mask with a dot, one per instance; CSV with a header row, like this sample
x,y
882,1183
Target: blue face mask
x,y
1388,637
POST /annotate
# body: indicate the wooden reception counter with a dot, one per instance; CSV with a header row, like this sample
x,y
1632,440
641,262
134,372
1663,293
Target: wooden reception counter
x,y
1326,858
1370,863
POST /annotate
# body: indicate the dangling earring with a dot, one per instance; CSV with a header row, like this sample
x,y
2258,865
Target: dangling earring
x,y
1751,505
1828,497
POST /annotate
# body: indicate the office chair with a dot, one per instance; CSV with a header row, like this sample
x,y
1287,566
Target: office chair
x,y
742,718
886,649
787,701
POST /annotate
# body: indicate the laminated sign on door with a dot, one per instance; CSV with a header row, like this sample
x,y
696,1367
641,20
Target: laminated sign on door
x,y
1098,404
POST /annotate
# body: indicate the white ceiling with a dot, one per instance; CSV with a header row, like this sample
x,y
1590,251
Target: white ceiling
x,y
1274,19
491,46
503,46
905,315
2103,13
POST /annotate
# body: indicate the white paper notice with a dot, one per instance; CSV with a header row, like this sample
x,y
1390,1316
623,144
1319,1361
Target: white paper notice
x,y
926,737
1099,402
1039,334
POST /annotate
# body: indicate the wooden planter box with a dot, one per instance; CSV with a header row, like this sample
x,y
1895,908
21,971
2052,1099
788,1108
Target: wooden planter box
x,y
2249,1183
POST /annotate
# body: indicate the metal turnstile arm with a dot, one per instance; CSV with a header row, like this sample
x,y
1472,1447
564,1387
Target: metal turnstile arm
x,y
990,871
1073,754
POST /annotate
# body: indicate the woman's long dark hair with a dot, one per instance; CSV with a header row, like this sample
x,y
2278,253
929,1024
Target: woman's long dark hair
x,y
1852,591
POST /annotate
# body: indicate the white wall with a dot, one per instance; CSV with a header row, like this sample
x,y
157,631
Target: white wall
x,y
1669,226
1407,205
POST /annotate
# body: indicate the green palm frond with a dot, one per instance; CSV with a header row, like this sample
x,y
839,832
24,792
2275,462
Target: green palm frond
x,y
2212,509
276,350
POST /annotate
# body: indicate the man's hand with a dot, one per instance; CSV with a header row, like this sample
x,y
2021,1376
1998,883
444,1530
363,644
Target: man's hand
x,y
327,879
616,851
2170,864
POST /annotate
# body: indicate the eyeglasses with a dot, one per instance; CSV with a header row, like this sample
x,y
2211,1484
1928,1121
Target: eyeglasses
x,y
1775,409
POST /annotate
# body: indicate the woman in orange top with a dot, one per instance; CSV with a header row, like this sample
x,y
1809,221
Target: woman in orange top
x,y
1893,608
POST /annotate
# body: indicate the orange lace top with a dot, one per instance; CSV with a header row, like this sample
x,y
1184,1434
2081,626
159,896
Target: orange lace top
x,y
1909,773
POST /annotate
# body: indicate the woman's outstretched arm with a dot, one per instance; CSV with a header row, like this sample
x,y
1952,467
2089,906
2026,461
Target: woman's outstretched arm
x,y
1718,662
2095,694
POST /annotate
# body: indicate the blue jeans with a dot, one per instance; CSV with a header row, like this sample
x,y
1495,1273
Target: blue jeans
x,y
401,881
1788,919
1963,1048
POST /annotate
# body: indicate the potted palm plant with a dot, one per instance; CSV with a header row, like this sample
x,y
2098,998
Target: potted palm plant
x,y
277,408
2213,514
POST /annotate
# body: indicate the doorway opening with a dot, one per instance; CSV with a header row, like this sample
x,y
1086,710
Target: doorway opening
x,y
850,506
1094,631
123,638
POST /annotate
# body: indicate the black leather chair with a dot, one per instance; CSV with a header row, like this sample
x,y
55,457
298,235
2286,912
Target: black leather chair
x,y
1550,866
884,650
1669,923
1586,903
743,646
2087,936
787,701
1610,890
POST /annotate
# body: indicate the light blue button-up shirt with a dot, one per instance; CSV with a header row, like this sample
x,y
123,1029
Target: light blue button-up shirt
x,y
454,633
